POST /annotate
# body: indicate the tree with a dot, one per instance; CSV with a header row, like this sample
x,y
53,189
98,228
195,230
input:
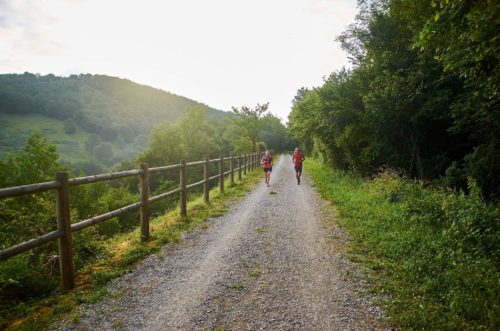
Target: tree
x,y
163,146
463,37
197,135
104,153
108,134
27,217
36,162
248,120
92,141
275,134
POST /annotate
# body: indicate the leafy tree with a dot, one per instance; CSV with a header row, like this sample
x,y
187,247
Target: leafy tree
x,y
463,37
126,133
197,134
108,134
415,99
93,141
36,162
26,217
87,167
163,146
248,120
275,134
104,153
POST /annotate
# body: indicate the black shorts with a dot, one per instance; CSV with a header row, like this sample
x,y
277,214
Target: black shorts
x,y
298,169
268,169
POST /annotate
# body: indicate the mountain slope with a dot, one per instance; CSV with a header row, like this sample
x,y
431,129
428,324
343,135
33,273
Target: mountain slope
x,y
82,112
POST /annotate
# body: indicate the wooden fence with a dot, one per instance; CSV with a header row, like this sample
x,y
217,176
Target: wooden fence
x,y
65,228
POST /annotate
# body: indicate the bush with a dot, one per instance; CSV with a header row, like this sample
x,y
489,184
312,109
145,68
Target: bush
x,y
436,252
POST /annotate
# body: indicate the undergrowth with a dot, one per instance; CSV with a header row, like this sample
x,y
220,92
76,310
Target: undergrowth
x,y
433,254
117,256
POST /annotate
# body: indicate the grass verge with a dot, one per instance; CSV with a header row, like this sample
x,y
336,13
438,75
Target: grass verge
x,y
432,253
118,256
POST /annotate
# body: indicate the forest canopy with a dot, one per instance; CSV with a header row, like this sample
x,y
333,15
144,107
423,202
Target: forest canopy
x,y
421,96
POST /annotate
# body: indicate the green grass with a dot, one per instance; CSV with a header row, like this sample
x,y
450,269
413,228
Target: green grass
x,y
119,255
256,273
261,230
434,254
237,286
15,130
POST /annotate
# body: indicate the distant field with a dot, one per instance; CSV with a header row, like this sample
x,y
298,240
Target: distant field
x,y
15,130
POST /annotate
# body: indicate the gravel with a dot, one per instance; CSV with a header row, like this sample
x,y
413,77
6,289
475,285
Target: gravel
x,y
270,263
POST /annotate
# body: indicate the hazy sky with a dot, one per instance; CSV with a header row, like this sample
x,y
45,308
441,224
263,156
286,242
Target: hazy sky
x,y
220,52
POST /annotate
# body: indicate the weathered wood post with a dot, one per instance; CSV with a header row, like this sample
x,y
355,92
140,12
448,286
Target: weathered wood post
x,y
144,192
66,264
251,161
245,164
239,168
231,169
221,174
183,183
206,184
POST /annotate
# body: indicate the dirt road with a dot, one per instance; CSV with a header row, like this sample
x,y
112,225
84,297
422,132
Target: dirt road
x,y
268,264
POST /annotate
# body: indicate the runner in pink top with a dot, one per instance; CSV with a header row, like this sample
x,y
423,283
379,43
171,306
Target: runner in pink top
x,y
267,163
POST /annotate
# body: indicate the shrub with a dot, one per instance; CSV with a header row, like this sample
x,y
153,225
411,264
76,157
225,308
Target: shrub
x,y
435,251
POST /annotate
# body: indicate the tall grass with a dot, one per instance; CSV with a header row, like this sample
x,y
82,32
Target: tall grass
x,y
434,253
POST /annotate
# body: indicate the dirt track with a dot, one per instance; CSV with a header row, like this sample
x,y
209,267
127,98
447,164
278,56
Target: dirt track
x,y
269,264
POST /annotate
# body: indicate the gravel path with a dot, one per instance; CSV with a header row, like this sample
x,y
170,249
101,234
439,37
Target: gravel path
x,y
270,263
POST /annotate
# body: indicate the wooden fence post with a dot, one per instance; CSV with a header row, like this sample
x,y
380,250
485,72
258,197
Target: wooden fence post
x,y
66,264
239,168
251,161
231,168
221,174
183,184
144,192
206,184
245,164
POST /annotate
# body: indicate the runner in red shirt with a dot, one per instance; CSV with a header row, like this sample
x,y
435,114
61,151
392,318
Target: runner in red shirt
x,y
297,159
267,163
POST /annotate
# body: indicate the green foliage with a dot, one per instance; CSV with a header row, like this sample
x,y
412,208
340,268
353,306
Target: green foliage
x,y
34,273
249,122
108,134
27,217
104,153
92,100
434,252
75,110
88,167
275,135
421,97
37,162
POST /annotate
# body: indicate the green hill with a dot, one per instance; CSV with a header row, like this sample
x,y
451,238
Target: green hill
x,y
87,116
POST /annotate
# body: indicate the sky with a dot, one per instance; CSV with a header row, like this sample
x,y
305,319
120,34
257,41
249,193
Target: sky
x,y
222,53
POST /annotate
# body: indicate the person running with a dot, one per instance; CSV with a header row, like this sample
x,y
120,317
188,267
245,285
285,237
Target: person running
x,y
267,163
297,159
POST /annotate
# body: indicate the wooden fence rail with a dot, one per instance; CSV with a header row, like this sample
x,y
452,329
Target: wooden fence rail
x,y
62,184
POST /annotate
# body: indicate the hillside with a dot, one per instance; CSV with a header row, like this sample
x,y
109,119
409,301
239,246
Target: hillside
x,y
87,116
